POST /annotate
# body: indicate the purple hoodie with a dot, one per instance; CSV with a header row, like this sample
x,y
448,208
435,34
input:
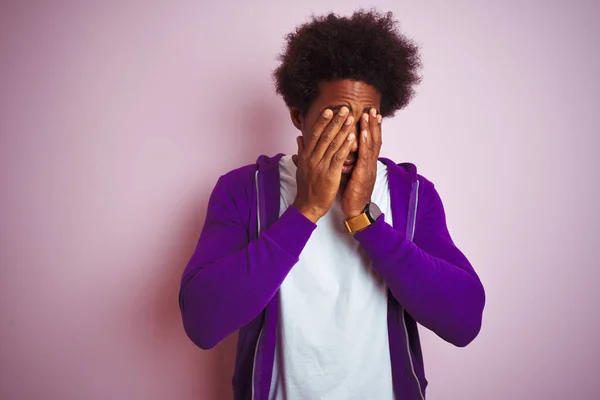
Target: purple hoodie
x,y
245,252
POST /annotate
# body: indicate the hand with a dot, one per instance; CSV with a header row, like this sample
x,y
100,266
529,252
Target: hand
x,y
320,160
360,186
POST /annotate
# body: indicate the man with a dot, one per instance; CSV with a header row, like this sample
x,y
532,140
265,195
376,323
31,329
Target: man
x,y
326,260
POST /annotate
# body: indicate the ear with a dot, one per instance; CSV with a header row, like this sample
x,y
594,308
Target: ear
x,y
297,118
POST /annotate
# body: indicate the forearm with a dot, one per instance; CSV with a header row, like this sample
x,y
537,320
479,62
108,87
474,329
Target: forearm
x,y
217,297
441,293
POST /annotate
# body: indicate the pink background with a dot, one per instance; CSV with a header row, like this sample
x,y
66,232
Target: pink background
x,y
117,119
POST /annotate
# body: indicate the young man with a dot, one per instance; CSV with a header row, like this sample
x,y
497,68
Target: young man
x,y
325,261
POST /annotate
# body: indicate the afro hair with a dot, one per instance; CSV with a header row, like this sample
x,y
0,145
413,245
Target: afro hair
x,y
365,47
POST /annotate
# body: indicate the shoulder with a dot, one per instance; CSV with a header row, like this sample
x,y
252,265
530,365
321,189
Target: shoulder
x,y
244,175
407,172
240,176
405,177
240,183
237,185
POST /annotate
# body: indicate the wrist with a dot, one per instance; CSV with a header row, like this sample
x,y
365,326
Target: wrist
x,y
309,212
354,213
351,213
367,217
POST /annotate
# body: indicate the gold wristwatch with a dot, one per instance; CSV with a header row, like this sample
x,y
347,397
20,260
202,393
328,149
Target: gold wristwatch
x,y
364,219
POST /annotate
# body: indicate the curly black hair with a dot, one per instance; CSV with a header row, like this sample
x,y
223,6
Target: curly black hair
x,y
366,47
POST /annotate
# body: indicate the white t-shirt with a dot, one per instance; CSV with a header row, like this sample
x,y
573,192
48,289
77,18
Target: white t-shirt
x,y
332,337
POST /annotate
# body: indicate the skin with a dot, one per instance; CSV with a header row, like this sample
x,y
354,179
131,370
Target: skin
x,y
341,125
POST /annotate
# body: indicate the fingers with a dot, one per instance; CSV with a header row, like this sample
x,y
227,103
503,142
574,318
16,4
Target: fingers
x,y
337,161
300,143
375,130
327,141
338,140
370,135
319,127
363,144
330,132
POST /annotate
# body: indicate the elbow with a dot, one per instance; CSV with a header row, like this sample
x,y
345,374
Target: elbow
x,y
463,332
470,322
203,342
195,328
466,335
200,337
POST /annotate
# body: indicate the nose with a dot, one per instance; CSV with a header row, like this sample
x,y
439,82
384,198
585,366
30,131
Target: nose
x,y
354,148
357,133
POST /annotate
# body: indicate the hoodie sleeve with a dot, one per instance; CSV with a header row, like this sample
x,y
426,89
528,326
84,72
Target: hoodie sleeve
x,y
229,280
430,277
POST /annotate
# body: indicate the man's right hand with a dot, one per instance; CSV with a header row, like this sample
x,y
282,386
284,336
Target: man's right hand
x,y
320,159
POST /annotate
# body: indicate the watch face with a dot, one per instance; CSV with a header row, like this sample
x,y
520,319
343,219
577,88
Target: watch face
x,y
374,211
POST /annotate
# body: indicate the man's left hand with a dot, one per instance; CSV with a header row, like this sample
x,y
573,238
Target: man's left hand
x,y
362,179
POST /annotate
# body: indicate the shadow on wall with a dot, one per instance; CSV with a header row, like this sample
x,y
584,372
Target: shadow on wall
x,y
262,117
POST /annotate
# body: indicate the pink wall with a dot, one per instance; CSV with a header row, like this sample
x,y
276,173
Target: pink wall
x,y
115,122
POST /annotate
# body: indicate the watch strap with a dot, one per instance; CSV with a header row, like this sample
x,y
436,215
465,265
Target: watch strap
x,y
359,222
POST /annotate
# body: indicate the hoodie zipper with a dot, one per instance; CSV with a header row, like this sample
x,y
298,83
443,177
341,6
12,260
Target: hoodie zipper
x,y
411,232
414,208
258,224
414,203
412,367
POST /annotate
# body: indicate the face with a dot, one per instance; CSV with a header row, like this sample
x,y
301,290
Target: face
x,y
358,96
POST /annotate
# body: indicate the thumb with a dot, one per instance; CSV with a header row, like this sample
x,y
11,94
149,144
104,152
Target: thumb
x,y
300,142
